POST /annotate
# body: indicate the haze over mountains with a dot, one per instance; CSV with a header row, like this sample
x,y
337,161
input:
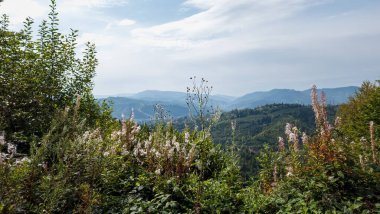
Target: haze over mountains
x,y
175,102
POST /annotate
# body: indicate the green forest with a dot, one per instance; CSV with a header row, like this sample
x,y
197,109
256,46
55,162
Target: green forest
x,y
63,152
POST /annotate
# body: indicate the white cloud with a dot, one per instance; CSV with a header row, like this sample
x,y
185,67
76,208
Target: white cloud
x,y
202,4
222,20
120,23
18,10
126,22
247,42
92,3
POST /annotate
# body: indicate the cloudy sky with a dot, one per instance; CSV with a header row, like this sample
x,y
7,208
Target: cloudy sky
x,y
240,46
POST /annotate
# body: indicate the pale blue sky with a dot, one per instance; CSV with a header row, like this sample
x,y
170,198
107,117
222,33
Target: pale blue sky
x,y
240,46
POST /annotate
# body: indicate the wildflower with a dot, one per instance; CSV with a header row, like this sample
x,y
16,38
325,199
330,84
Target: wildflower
x,y
314,100
2,138
135,152
147,144
305,138
190,156
123,126
157,154
158,172
373,145
113,149
187,136
281,144
136,129
289,170
337,122
2,157
296,146
23,160
12,149
320,112
142,152
216,116
132,117
176,144
86,135
363,140
184,150
106,154
295,129
233,125
288,129
292,137
170,154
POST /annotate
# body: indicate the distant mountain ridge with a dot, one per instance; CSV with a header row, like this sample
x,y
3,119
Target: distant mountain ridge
x,y
175,102
335,96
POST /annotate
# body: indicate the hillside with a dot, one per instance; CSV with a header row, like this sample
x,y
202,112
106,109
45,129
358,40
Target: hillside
x,y
143,109
262,125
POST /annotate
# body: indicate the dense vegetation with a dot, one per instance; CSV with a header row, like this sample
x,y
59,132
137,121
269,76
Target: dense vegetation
x,y
82,161
253,128
39,77
362,108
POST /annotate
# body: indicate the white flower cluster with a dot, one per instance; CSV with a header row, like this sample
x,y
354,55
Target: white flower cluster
x,y
92,136
171,152
2,157
11,152
12,149
2,138
292,134
22,160
161,153
281,144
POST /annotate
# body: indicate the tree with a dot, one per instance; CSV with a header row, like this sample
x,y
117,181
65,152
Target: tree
x,y
38,77
360,111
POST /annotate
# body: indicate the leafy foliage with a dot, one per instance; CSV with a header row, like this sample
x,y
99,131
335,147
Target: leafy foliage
x,y
360,110
38,77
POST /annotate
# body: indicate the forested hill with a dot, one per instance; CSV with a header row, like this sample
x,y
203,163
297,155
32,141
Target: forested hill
x,y
263,125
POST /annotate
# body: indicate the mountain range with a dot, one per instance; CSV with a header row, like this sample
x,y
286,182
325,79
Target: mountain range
x,y
175,102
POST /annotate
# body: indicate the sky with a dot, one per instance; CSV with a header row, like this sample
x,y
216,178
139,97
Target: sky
x,y
239,46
